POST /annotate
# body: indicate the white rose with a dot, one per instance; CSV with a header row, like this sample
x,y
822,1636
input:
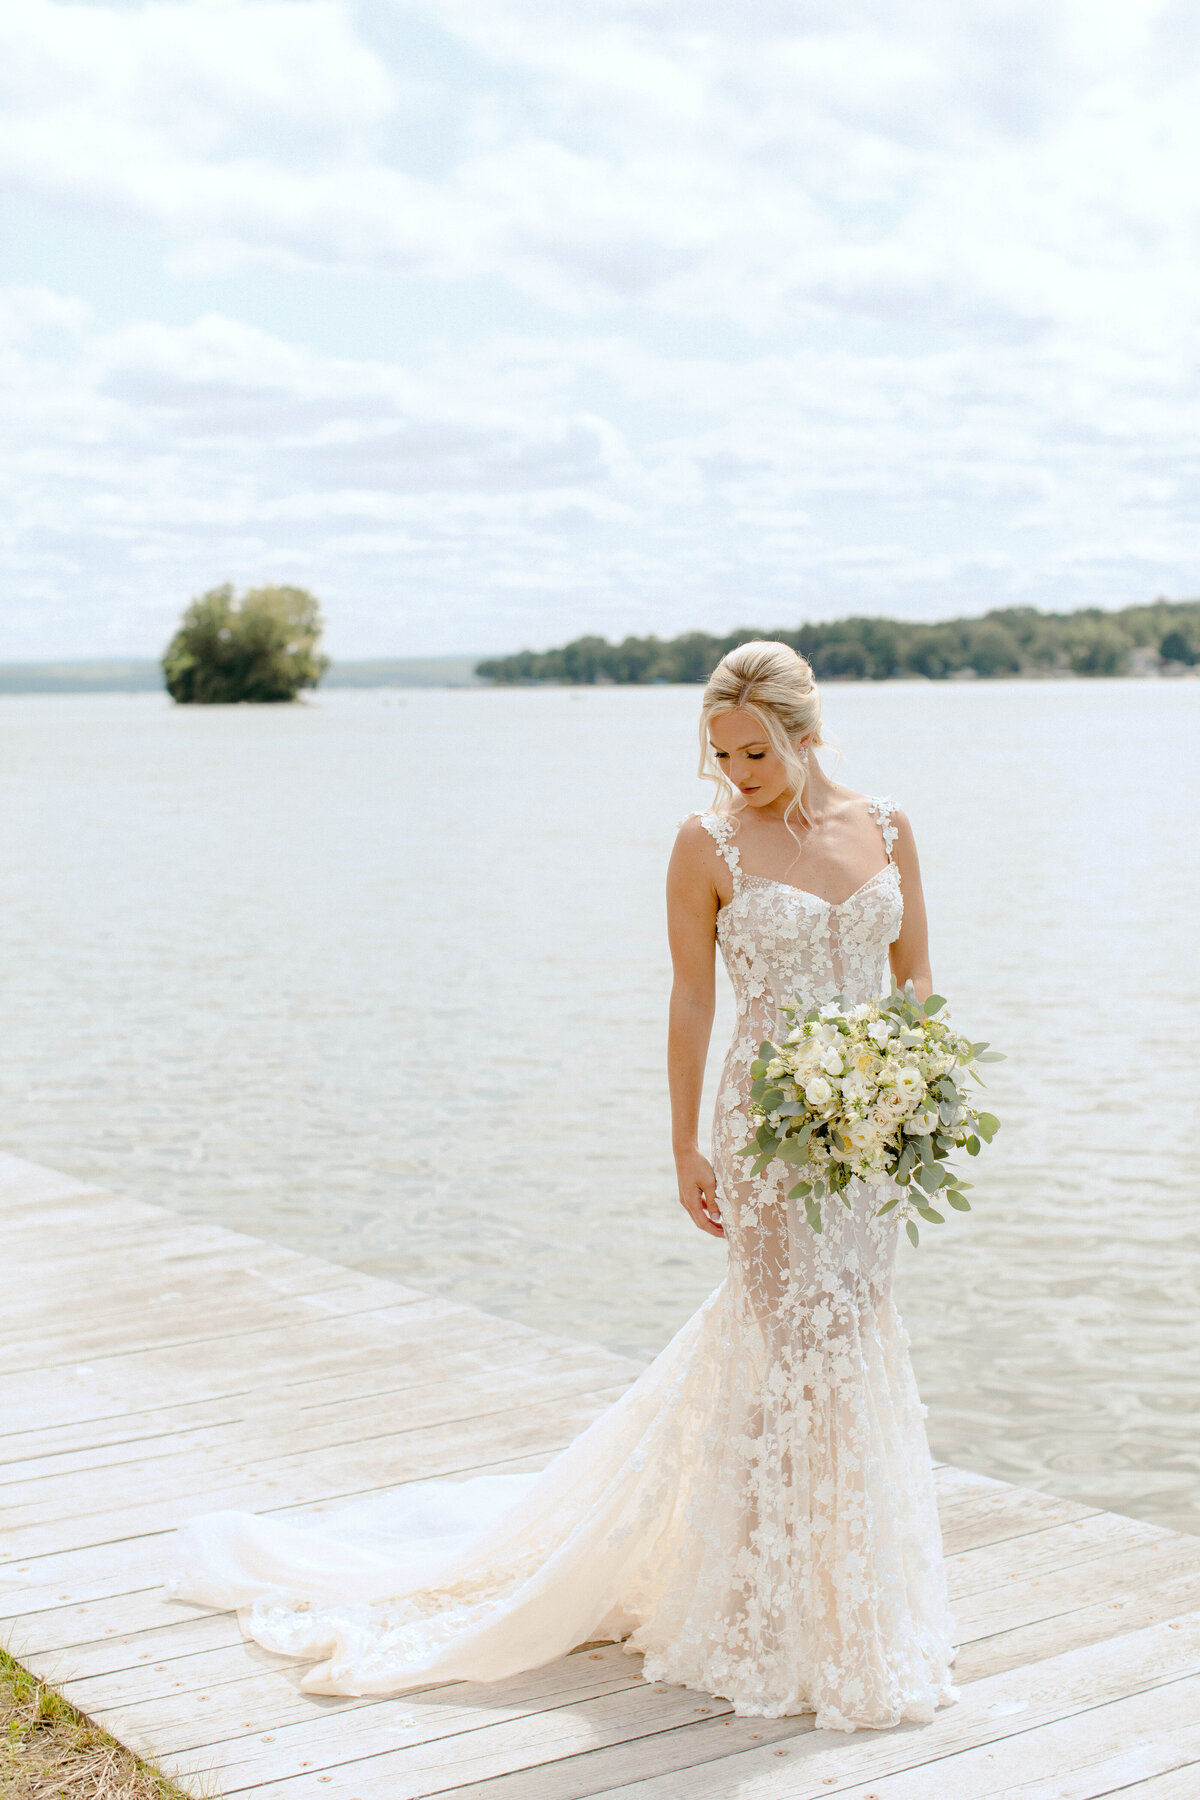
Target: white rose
x,y
922,1123
819,1092
886,1115
909,1083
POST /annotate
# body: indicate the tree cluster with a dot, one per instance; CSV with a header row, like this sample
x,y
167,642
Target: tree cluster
x,y
1012,641
261,647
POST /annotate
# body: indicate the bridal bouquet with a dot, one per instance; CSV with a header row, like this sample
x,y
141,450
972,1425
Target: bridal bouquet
x,y
877,1091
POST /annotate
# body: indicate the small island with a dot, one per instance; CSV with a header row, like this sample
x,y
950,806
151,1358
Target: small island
x,y
263,647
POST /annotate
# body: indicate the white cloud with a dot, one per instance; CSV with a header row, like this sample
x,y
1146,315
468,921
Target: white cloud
x,y
476,500
868,306
724,164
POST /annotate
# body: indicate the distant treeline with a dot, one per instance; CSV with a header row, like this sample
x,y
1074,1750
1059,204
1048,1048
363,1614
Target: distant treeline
x,y
1016,640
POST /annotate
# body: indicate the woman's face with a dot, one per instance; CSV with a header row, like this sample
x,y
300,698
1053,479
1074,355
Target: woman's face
x,y
741,751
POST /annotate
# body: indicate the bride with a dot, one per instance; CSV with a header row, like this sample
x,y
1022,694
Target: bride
x,y
756,1516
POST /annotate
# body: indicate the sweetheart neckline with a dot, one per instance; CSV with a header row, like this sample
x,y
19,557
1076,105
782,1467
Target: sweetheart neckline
x,y
833,905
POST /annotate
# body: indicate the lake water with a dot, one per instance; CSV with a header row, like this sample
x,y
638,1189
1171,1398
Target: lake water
x,y
383,976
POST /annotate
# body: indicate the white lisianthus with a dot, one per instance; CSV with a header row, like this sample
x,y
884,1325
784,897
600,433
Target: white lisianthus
x,y
856,1086
909,1082
819,1092
921,1123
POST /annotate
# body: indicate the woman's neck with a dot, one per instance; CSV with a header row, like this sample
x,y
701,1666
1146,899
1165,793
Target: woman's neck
x,y
819,792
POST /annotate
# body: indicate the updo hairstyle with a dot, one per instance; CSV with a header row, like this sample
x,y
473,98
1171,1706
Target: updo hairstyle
x,y
775,685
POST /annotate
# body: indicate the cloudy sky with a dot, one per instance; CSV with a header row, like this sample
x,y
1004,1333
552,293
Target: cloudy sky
x,y
494,321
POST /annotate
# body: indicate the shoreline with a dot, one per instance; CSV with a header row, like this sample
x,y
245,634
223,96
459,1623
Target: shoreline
x,y
54,685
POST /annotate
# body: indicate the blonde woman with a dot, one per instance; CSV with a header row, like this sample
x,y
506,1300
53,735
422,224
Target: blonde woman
x,y
756,1516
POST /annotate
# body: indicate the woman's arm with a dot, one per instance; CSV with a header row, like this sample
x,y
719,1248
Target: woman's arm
x,y
909,953
692,902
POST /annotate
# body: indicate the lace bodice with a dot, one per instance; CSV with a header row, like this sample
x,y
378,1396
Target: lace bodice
x,y
779,941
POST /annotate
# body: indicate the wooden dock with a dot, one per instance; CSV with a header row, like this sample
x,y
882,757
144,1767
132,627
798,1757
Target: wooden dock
x,y
153,1368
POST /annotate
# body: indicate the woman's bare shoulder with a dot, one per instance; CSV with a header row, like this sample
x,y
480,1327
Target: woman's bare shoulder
x,y
902,826
696,851
692,829
876,803
694,842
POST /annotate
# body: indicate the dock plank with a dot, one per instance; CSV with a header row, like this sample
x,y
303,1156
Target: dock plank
x,y
994,1712
210,1369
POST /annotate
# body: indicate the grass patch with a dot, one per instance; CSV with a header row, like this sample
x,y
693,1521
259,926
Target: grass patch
x,y
49,1750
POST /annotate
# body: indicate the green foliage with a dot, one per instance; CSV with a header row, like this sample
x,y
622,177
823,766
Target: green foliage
x,y
1181,644
1015,640
262,647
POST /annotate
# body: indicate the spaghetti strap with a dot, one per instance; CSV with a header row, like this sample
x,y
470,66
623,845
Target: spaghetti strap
x,y
881,811
720,829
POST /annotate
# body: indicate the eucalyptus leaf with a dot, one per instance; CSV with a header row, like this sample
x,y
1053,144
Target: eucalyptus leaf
x,y
814,1214
801,1189
934,1004
958,1200
791,1151
928,1212
887,1206
913,1233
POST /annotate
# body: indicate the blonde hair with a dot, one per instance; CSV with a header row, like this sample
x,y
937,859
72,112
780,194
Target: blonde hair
x,y
775,685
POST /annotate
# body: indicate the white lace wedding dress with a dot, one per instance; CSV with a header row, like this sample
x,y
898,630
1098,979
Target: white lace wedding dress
x,y
755,1516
